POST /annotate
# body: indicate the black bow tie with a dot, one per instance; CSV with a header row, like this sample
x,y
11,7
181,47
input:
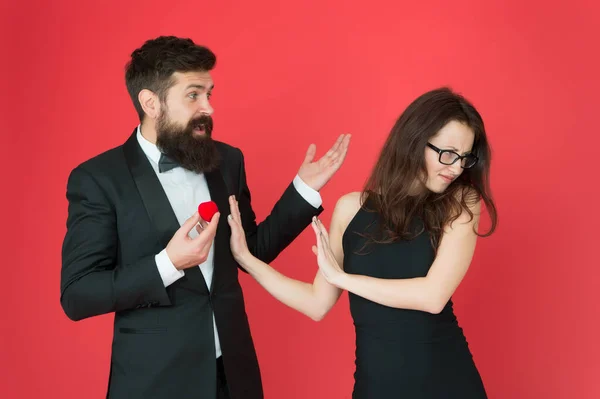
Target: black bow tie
x,y
165,164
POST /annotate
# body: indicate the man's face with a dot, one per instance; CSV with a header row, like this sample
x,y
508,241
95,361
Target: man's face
x,y
184,126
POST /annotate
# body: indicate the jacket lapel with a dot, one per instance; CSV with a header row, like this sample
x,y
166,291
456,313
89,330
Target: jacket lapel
x,y
158,207
219,194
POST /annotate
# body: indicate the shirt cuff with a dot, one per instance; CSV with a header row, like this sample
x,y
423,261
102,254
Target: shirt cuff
x,y
311,196
168,273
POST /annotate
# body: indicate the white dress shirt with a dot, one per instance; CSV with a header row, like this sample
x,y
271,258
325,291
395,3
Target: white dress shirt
x,y
186,190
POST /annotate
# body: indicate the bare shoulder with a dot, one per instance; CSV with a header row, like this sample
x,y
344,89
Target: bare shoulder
x,y
471,215
345,209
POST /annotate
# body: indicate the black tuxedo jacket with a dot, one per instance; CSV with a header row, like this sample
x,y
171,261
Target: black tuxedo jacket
x,y
119,218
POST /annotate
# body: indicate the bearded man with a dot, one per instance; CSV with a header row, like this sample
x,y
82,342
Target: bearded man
x,y
136,246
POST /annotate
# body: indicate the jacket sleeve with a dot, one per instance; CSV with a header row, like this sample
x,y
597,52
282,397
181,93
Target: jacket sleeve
x,y
288,218
92,282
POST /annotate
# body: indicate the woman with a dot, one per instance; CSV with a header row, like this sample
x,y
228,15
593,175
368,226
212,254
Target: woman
x,y
405,243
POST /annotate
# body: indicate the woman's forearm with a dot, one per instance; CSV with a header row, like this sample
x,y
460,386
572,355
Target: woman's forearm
x,y
296,294
413,293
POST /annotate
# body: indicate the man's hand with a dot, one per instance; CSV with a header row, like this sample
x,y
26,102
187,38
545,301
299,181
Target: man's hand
x,y
316,174
185,252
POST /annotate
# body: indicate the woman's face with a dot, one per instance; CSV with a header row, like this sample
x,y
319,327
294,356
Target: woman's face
x,y
454,136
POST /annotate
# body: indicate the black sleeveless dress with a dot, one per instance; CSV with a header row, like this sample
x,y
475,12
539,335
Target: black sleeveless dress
x,y
403,353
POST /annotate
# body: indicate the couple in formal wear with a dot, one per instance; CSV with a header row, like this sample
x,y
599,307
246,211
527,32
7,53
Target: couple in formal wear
x,y
135,245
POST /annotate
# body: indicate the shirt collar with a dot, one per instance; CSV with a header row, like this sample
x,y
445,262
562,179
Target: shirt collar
x,y
151,150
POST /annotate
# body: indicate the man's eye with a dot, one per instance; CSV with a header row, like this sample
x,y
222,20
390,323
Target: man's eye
x,y
193,96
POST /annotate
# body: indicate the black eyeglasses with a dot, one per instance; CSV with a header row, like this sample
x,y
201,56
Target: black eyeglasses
x,y
449,157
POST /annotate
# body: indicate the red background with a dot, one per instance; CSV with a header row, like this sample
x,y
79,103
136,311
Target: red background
x,y
289,74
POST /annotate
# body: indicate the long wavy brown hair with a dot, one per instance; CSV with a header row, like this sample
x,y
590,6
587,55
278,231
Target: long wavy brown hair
x,y
402,162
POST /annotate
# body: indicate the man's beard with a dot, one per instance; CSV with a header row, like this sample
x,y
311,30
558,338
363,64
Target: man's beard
x,y
191,151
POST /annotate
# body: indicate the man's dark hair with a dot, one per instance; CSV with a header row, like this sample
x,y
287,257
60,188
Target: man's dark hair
x,y
152,66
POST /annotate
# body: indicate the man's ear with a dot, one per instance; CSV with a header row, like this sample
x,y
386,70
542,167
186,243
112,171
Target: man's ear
x,y
150,103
